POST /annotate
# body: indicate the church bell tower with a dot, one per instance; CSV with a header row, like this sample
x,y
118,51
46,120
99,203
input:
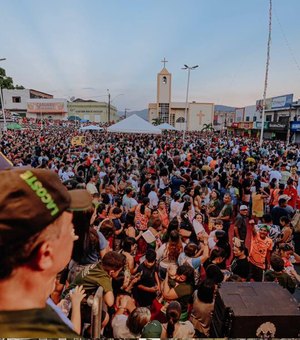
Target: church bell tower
x,y
164,82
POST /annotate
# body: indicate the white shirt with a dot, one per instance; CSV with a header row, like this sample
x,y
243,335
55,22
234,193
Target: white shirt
x,y
176,208
91,188
275,174
153,199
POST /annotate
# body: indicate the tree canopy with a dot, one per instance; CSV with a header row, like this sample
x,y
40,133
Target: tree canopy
x,y
7,82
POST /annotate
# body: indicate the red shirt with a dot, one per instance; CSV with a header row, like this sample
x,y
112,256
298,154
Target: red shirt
x,y
293,194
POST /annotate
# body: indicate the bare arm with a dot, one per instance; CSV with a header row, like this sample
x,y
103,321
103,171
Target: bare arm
x,y
76,297
168,293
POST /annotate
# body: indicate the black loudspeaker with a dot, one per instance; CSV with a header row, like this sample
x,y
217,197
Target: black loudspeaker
x,y
255,310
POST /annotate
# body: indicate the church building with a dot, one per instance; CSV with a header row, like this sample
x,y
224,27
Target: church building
x,y
167,111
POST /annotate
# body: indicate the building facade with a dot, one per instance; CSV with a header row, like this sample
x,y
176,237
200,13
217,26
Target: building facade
x,y
167,111
92,111
16,100
224,116
55,108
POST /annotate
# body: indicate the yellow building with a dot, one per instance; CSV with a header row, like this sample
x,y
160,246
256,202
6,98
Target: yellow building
x,y
167,111
93,111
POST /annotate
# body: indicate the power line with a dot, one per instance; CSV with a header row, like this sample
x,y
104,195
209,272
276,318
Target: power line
x,y
287,41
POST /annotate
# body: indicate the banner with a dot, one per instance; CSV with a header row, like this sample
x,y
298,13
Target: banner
x,y
275,102
295,126
46,106
78,141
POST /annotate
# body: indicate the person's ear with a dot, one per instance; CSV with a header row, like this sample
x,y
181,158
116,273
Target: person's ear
x,y
45,256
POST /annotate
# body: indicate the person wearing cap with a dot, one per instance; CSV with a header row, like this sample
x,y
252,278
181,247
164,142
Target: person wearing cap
x,y
152,330
36,241
260,252
240,224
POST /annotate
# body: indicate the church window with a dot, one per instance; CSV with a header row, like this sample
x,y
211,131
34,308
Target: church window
x,y
164,80
172,119
180,120
163,113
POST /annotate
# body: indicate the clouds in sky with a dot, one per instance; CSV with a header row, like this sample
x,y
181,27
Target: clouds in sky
x,y
82,48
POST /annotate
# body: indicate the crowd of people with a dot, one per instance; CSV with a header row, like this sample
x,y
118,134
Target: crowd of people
x,y
169,221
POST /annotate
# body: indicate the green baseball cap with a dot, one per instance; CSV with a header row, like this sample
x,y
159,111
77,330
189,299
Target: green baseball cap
x,y
31,199
152,330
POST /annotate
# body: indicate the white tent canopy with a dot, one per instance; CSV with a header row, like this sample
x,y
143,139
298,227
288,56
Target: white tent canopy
x,y
166,126
91,128
134,124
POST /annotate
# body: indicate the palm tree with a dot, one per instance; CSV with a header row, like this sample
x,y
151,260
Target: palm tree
x,y
207,127
157,121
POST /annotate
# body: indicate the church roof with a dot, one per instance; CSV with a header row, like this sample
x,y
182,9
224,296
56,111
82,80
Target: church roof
x,y
164,71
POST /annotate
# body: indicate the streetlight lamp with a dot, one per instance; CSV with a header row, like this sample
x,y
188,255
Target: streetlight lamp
x,y
125,111
2,102
189,68
109,103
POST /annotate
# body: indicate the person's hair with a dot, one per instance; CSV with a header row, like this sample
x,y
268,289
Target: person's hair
x,y
129,219
174,246
218,222
16,254
105,198
242,248
267,218
156,224
188,272
205,292
190,249
284,219
150,255
277,263
173,314
217,252
137,320
128,243
145,201
101,207
113,261
128,190
281,201
107,228
117,211
88,239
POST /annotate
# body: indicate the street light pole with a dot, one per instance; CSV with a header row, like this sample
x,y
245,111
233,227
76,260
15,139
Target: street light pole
x,y
2,104
125,111
186,67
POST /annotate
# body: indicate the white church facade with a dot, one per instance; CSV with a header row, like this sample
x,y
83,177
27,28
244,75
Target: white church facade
x,y
166,110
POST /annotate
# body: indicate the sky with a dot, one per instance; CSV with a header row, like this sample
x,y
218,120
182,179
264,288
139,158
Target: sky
x,y
82,48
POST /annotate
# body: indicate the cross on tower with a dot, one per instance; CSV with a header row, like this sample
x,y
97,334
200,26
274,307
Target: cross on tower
x,y
164,61
200,115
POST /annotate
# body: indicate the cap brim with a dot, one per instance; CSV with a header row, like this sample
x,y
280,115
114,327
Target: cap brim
x,y
80,200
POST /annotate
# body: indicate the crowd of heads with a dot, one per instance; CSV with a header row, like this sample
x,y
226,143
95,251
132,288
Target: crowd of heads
x,y
170,220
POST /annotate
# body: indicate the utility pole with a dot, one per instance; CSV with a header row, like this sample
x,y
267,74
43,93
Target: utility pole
x,y
108,113
289,127
266,76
